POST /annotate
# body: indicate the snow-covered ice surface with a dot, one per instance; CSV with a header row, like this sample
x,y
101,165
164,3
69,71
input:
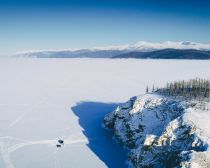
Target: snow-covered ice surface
x,y
43,100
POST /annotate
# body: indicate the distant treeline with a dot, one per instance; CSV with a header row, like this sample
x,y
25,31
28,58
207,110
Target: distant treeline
x,y
194,88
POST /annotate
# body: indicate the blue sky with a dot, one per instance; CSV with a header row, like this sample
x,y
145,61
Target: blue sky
x,y
60,24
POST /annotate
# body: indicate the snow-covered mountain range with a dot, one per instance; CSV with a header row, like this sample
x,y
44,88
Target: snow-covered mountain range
x,y
162,132
115,51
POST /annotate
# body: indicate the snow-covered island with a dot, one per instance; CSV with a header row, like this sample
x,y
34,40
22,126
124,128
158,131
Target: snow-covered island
x,y
163,131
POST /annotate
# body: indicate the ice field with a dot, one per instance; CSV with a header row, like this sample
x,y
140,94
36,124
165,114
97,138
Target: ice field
x,y
44,100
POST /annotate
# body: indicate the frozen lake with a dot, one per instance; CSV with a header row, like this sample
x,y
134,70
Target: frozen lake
x,y
43,100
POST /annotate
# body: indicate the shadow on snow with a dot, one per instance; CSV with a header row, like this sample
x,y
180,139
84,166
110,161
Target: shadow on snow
x,y
91,116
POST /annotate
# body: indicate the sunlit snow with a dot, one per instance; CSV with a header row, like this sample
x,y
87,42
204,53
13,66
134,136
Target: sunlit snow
x,y
44,100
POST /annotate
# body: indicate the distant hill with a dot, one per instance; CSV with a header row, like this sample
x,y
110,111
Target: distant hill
x,y
155,54
167,54
83,53
165,50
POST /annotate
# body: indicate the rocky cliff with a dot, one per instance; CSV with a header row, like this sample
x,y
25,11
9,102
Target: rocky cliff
x,y
162,132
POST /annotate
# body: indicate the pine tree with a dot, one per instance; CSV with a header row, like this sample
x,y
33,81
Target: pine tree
x,y
147,89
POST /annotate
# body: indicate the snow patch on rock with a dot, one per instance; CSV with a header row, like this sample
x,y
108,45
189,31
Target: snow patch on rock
x,y
162,132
